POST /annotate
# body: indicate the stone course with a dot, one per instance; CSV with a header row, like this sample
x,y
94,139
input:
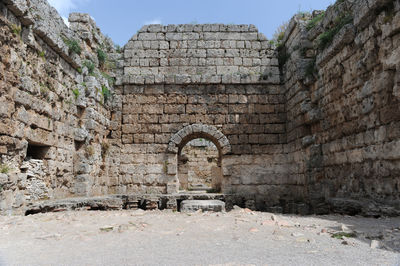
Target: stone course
x,y
342,116
202,54
52,106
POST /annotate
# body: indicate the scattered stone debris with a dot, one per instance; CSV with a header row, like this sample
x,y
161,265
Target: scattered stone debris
x,y
375,244
107,228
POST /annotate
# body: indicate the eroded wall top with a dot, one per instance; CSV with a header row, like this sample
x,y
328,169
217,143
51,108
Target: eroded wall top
x,y
202,53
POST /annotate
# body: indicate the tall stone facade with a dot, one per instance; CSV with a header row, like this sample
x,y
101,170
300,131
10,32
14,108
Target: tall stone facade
x,y
55,106
307,126
343,106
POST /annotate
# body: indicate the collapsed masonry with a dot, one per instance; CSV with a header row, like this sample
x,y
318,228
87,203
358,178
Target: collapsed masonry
x,y
310,126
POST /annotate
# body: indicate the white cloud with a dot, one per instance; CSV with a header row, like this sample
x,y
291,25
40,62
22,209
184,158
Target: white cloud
x,y
153,21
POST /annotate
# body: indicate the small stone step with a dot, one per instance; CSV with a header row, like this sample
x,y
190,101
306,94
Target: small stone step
x,y
204,205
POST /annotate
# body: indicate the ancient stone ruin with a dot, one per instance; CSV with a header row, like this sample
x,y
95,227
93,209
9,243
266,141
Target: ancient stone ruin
x,y
308,124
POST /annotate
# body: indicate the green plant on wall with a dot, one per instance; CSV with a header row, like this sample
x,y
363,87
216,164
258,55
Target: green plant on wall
x,y
76,93
4,168
101,56
16,29
280,34
73,46
90,66
41,54
105,92
110,79
326,38
44,90
89,151
315,21
118,48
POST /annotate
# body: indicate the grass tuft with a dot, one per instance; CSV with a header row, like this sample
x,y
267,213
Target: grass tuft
x,y
4,168
89,65
340,235
76,93
73,46
105,92
326,38
101,56
315,21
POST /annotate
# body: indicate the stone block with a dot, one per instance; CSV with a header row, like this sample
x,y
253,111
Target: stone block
x,y
204,205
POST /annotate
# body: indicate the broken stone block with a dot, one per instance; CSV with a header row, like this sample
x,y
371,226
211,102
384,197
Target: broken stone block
x,y
204,205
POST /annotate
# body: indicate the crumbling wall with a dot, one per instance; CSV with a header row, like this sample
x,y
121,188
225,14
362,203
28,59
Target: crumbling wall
x,y
55,102
310,125
341,78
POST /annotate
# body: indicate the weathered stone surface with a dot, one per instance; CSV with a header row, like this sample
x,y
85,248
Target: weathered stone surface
x,y
340,108
294,127
204,205
100,203
207,57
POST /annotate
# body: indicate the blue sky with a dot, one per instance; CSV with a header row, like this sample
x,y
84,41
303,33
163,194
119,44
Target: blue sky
x,y
121,19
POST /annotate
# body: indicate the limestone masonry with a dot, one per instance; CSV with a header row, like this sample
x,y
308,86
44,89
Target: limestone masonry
x,y
309,123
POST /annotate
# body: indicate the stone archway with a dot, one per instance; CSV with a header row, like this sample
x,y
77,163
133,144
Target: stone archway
x,y
189,133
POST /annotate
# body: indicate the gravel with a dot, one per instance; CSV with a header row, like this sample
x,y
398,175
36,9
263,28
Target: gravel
x,y
239,237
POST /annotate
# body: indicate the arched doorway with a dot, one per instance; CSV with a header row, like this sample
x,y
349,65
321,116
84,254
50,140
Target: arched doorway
x,y
199,167
209,134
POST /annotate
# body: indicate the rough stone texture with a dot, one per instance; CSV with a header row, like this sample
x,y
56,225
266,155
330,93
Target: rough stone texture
x,y
184,54
54,120
298,128
119,202
245,122
198,166
343,117
204,205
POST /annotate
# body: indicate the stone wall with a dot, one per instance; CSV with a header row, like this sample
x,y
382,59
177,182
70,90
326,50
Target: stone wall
x,y
55,117
198,165
343,126
194,54
221,76
308,125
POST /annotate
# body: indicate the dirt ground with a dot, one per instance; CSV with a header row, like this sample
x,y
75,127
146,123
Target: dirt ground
x,y
239,237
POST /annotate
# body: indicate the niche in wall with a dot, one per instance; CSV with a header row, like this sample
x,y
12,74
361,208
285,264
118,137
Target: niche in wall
x,y
37,152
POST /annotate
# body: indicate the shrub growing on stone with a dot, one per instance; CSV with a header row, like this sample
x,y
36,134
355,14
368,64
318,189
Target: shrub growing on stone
x,y
76,93
16,29
315,21
327,37
89,151
89,65
4,168
105,92
73,46
101,56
